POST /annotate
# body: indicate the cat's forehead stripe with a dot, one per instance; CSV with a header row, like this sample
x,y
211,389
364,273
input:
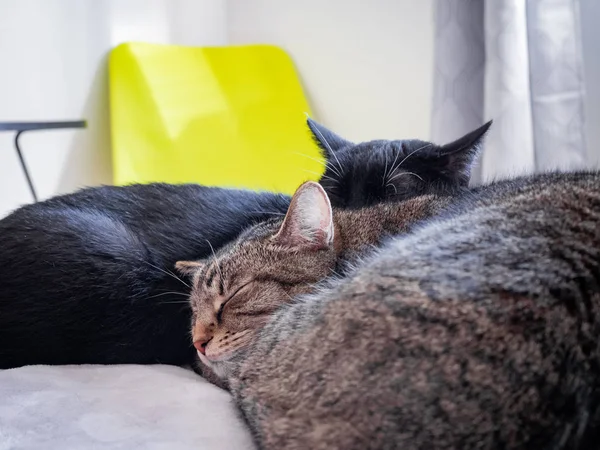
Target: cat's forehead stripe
x,y
221,285
210,275
214,274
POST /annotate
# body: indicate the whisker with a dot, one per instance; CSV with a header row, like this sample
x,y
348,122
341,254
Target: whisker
x,y
339,164
413,152
216,261
169,293
391,175
335,273
289,296
394,167
263,211
384,170
167,272
268,212
394,186
322,161
330,149
312,172
405,173
335,171
174,303
335,180
327,177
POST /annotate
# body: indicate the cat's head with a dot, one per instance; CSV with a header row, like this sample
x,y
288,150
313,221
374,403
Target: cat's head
x,y
359,175
236,292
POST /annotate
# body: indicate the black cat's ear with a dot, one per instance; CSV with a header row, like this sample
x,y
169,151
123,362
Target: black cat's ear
x,y
309,219
460,154
189,267
327,140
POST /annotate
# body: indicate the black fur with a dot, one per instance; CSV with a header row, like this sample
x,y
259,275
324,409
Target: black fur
x,y
377,171
86,277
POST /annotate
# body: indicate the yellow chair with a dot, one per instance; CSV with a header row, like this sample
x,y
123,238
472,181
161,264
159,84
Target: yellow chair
x,y
219,116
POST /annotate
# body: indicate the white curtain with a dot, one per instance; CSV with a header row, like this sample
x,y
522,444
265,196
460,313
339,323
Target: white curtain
x,y
518,62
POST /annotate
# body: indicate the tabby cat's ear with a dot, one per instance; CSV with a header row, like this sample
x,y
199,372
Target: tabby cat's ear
x,y
458,156
189,267
309,219
327,140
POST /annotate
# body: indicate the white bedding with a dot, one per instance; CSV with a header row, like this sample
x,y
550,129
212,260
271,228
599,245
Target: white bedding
x,y
116,407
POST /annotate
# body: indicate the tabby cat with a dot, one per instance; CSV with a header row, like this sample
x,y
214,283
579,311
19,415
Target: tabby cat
x,y
478,330
86,277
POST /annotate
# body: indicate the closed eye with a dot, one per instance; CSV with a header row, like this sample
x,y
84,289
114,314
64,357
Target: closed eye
x,y
222,306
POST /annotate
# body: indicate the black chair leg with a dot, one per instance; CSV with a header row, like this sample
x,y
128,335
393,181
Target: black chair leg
x,y
24,166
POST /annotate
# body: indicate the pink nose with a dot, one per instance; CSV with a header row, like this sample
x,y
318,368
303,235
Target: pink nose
x,y
201,346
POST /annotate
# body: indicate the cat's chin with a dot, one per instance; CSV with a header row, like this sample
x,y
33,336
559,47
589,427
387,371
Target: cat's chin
x,y
213,358
218,367
202,357
209,375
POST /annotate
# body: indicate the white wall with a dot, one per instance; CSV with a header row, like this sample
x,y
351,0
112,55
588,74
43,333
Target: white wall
x,y
366,68
590,14
53,67
366,65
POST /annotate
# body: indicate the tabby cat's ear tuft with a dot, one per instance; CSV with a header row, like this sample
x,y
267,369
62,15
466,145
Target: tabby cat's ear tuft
x,y
327,140
309,219
459,156
189,267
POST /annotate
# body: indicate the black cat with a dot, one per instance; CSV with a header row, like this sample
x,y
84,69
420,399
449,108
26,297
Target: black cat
x,y
86,277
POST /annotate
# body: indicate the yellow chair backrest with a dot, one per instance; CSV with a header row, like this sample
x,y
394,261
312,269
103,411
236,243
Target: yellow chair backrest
x,y
219,116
